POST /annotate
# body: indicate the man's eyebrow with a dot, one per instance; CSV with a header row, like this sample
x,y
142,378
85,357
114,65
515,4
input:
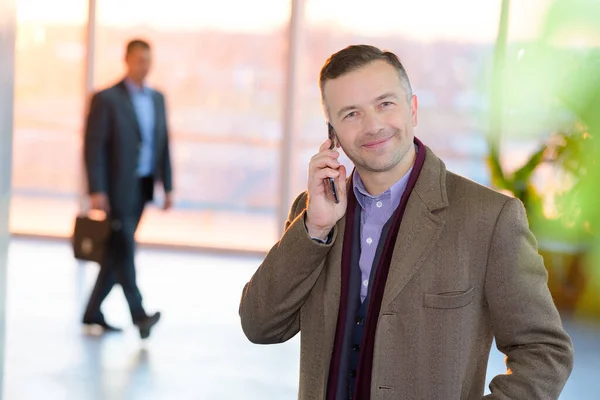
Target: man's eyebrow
x,y
386,96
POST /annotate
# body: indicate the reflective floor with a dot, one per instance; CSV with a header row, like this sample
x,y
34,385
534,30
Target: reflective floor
x,y
196,352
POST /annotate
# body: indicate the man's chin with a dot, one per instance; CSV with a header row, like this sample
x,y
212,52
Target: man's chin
x,y
377,167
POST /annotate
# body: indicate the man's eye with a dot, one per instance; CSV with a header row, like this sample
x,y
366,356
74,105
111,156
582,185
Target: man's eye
x,y
350,115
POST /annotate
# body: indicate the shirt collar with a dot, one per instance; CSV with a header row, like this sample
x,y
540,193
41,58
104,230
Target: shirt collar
x,y
394,193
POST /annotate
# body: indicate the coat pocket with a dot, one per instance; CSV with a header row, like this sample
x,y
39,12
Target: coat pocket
x,y
449,300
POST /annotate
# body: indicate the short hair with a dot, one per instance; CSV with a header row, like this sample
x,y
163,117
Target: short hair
x,y
357,56
136,44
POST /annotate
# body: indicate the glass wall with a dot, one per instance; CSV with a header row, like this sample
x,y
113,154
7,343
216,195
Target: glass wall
x,y
48,115
223,74
223,77
445,50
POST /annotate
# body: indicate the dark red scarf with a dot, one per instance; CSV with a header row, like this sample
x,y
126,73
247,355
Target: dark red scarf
x,y
362,387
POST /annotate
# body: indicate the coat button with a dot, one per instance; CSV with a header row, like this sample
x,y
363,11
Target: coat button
x,y
360,321
356,347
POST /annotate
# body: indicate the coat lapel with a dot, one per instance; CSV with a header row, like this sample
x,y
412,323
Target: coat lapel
x,y
420,228
419,231
128,106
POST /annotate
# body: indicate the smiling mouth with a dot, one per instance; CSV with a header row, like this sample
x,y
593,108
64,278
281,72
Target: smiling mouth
x,y
375,144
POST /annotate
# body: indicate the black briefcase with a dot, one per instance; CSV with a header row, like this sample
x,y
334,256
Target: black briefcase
x,y
90,236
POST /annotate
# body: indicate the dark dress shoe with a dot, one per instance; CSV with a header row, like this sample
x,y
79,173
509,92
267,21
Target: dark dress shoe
x,y
102,324
146,324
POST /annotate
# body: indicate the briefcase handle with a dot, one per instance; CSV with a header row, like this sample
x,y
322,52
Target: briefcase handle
x,y
97,215
100,215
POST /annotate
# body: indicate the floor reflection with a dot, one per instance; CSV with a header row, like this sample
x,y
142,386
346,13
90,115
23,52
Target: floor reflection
x,y
197,351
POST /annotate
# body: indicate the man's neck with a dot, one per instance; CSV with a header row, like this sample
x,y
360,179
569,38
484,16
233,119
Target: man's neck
x,y
378,182
139,84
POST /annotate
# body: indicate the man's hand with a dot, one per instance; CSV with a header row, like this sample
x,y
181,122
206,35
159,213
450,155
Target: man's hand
x,y
168,201
99,201
323,212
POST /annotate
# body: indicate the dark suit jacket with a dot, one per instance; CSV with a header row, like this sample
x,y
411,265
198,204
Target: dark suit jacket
x,y
112,145
465,268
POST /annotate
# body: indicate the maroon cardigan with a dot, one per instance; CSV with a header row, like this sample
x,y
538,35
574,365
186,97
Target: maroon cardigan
x,y
362,386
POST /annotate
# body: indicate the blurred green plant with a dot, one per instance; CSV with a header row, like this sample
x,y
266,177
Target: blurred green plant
x,y
551,91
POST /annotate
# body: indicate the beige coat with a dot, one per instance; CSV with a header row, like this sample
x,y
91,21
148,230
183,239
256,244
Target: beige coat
x,y
465,269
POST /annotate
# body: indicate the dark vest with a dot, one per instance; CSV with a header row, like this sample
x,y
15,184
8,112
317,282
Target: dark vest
x,y
353,347
355,327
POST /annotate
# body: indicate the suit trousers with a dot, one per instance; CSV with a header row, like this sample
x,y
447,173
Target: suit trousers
x,y
119,263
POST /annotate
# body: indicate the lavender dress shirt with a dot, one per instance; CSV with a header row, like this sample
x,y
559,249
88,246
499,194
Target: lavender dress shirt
x,y
375,212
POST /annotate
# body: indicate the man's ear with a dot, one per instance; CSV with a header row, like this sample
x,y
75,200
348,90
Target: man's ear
x,y
414,105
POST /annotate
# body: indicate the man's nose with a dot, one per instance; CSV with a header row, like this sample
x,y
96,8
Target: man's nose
x,y
372,123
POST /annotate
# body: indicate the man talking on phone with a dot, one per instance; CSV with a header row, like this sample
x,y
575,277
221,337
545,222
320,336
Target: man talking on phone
x,y
399,288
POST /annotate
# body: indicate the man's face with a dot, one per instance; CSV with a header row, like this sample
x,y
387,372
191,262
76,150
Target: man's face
x,y
371,115
138,63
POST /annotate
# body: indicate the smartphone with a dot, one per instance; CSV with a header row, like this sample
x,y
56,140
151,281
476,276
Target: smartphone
x,y
331,135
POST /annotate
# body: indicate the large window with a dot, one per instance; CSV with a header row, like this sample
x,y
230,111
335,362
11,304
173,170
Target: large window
x,y
222,69
223,77
445,47
49,89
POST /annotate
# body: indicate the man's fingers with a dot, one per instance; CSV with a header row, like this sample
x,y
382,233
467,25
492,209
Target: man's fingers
x,y
323,161
333,154
325,173
341,179
104,205
325,145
